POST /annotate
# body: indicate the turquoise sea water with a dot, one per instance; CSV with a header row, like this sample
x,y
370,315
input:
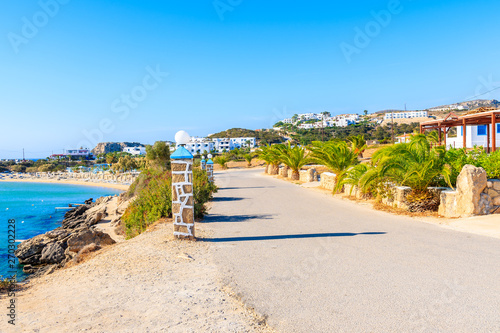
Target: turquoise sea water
x,y
32,206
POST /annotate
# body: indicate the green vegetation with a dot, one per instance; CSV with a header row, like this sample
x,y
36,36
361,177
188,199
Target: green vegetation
x,y
248,158
7,284
358,144
222,161
272,156
368,130
153,191
335,155
295,158
264,136
158,156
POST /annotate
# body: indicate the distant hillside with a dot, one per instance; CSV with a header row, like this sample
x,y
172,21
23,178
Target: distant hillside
x,y
469,105
472,104
386,111
111,147
234,133
263,136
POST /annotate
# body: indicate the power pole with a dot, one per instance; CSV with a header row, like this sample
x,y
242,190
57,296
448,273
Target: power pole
x,y
392,126
323,128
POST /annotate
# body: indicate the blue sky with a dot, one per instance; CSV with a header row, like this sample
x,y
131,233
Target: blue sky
x,y
79,72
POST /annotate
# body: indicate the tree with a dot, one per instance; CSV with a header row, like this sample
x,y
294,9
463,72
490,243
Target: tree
x,y
271,155
222,161
158,156
358,144
111,158
248,158
295,158
125,163
365,112
417,165
335,155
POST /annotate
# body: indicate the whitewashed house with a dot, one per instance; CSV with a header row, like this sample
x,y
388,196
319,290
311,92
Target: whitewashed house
x,y
135,150
475,136
406,115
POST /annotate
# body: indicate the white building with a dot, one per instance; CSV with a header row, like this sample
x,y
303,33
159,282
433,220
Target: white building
x,y
306,126
475,136
199,146
205,145
310,116
287,121
450,108
78,152
227,144
406,115
135,150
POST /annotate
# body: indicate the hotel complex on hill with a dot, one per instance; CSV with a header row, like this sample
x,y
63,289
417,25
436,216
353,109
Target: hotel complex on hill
x,y
202,145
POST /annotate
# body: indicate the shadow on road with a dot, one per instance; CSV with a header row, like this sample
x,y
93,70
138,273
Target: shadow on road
x,y
258,238
213,218
227,199
244,187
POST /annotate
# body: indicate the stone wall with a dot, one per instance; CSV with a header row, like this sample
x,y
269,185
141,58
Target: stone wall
x,y
474,195
308,176
284,171
398,194
328,180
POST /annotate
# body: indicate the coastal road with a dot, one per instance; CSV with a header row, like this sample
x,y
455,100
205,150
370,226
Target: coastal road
x,y
313,263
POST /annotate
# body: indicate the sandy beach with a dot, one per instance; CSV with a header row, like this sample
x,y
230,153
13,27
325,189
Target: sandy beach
x,y
69,182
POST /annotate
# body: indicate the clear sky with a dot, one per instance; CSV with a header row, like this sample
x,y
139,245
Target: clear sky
x,y
79,72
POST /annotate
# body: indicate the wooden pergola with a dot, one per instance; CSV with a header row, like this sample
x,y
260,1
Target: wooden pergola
x,y
472,119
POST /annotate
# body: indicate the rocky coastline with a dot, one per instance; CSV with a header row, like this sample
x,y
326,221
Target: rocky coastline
x,y
81,232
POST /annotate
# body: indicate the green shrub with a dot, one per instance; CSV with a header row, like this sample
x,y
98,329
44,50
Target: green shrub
x,y
153,201
153,191
491,163
203,192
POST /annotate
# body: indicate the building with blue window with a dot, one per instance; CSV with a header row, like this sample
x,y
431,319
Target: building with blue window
x,y
481,129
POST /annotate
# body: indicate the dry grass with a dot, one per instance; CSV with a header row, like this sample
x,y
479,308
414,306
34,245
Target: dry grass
x,y
241,165
398,211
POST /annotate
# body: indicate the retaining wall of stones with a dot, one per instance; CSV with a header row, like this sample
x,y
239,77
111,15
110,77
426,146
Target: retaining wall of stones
x,y
474,195
308,176
328,180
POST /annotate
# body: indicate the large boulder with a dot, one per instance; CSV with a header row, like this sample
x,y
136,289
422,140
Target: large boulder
x,y
29,251
52,254
470,184
86,237
469,198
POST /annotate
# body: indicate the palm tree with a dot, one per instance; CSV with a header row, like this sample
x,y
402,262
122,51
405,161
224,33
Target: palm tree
x,y
248,158
415,164
335,155
433,136
358,144
295,158
271,155
222,161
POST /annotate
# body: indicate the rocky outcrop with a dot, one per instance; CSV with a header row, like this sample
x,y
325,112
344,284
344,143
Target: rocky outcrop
x,y
61,245
474,195
87,236
111,147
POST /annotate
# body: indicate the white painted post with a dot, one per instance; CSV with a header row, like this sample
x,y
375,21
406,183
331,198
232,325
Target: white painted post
x,y
182,189
203,163
210,169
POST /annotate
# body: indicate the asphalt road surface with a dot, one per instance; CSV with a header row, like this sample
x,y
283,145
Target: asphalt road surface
x,y
313,263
